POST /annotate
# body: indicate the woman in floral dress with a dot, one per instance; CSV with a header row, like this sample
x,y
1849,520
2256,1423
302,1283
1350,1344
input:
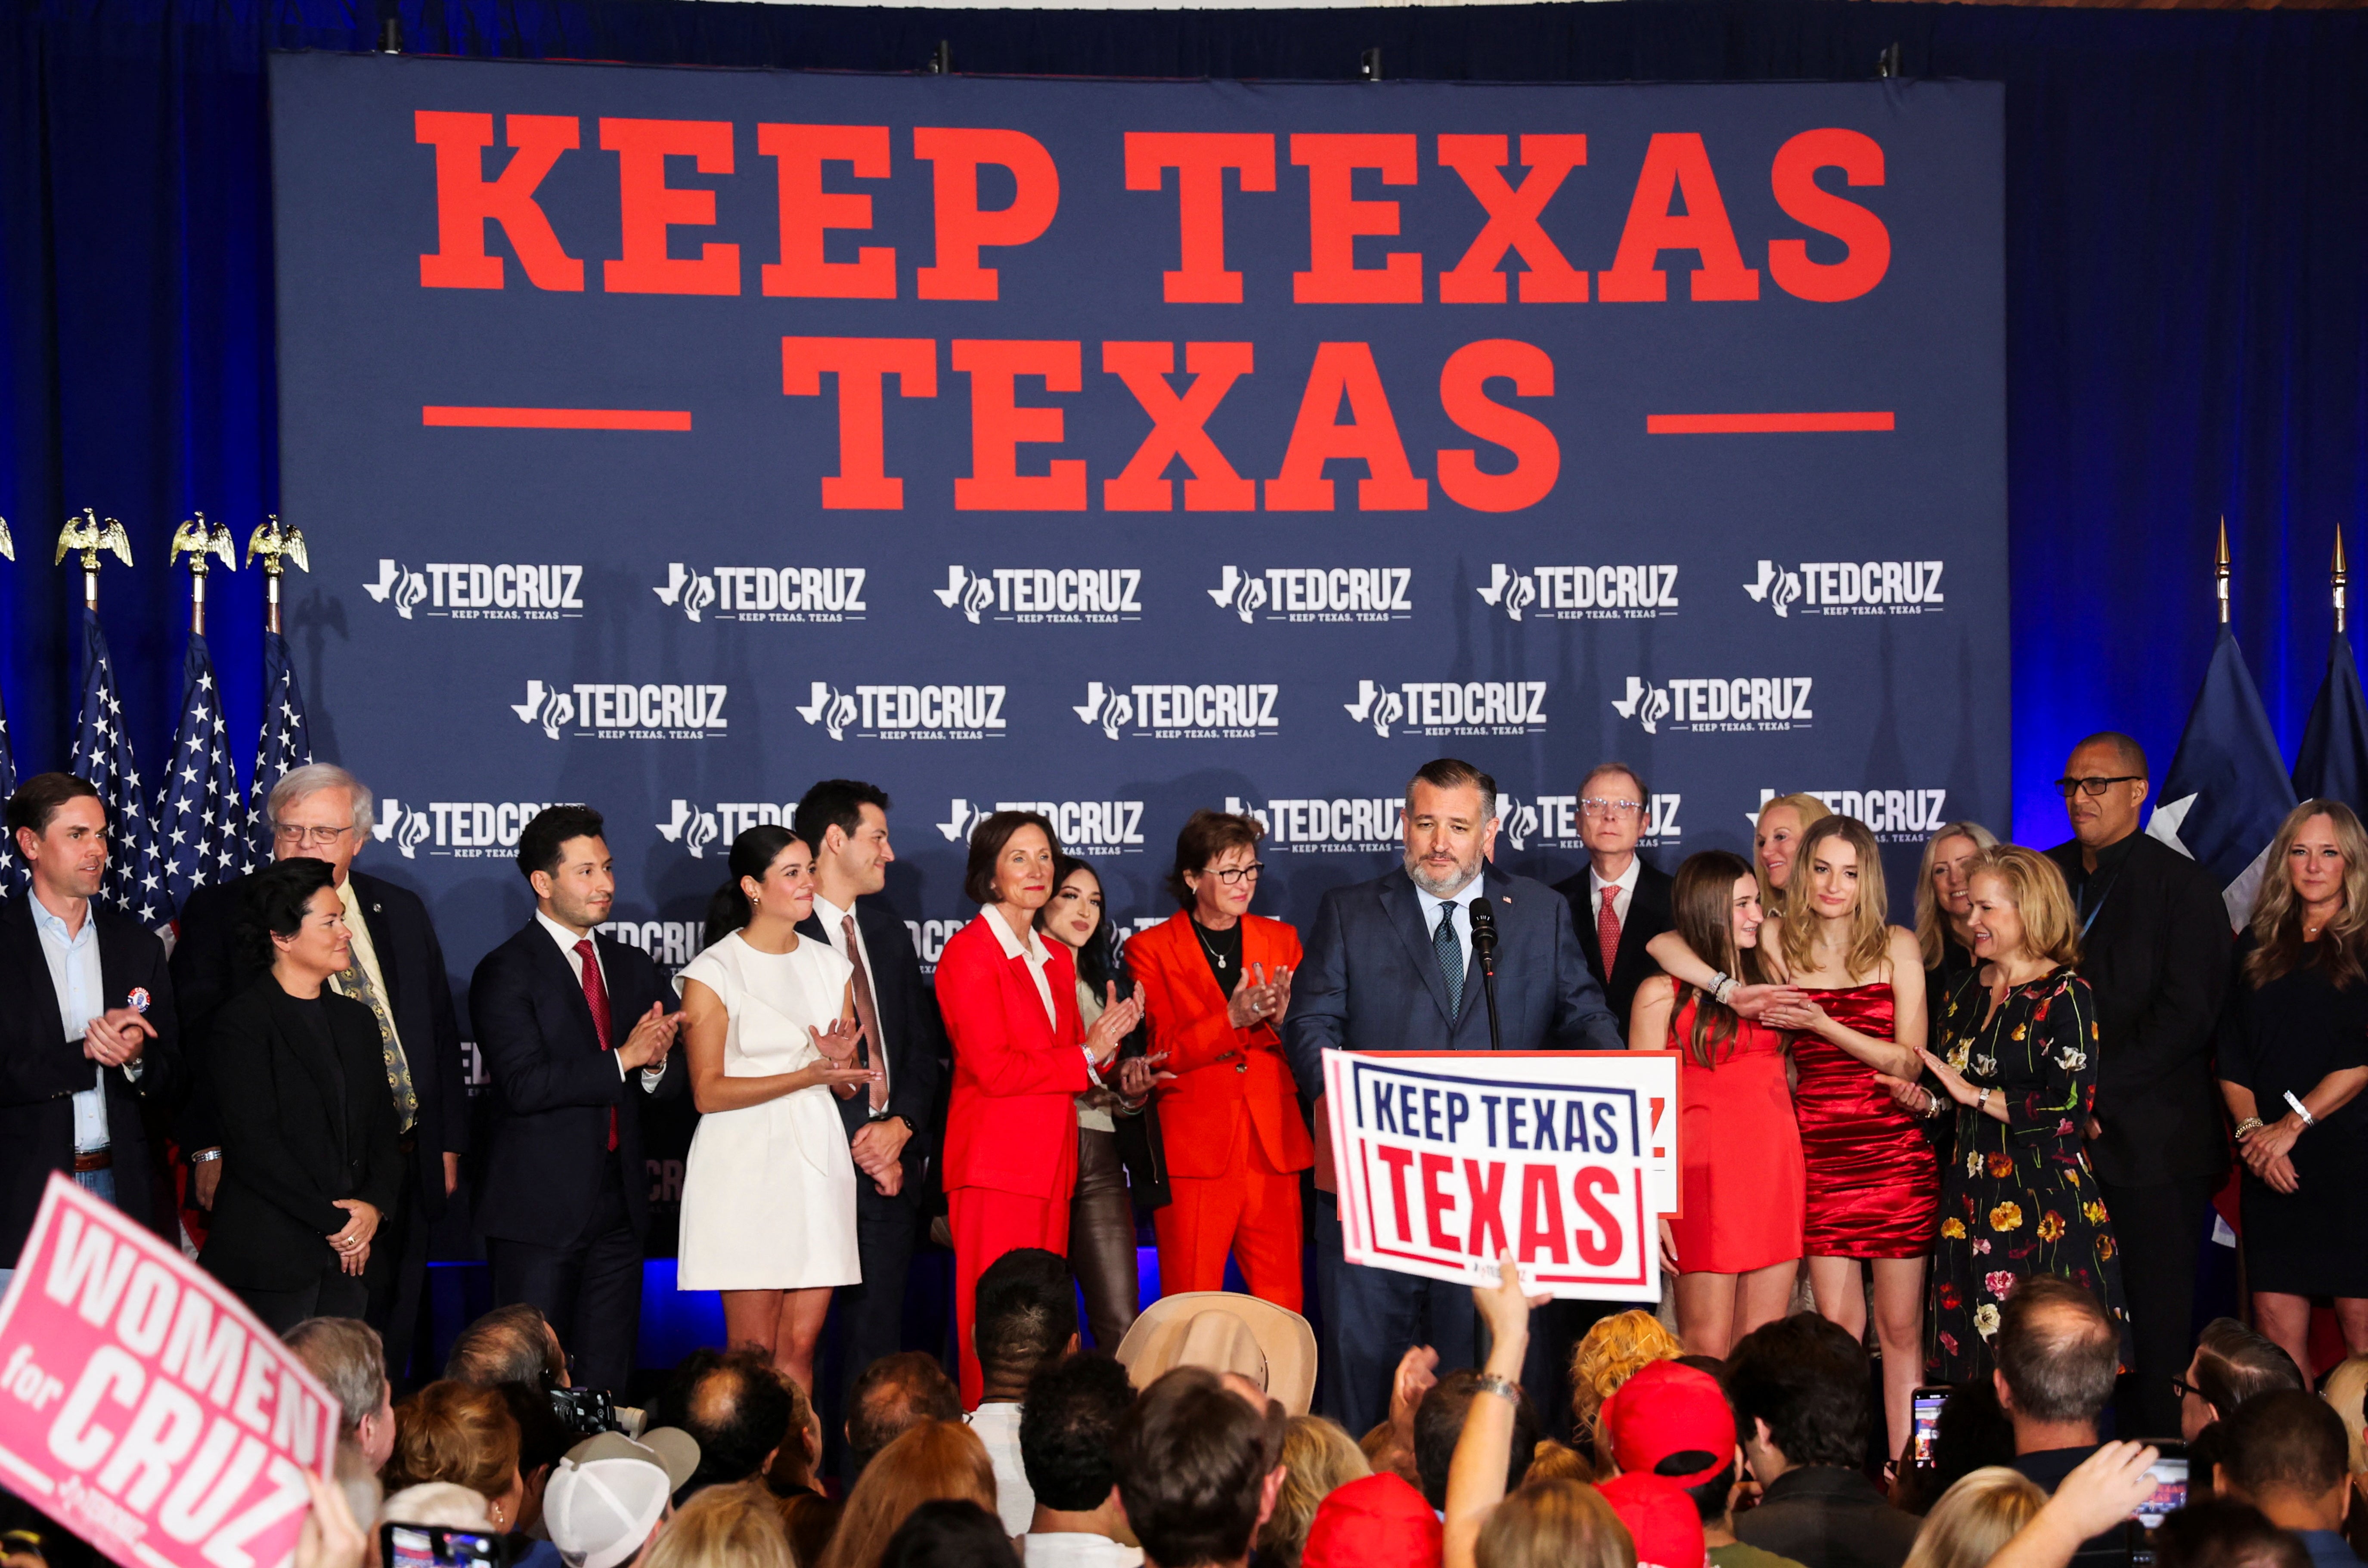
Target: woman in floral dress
x,y
2020,1039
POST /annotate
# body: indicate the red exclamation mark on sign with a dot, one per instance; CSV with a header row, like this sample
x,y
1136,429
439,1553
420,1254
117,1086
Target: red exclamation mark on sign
x,y
1660,1151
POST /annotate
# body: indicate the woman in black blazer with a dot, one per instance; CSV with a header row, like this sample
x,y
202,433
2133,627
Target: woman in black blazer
x,y
308,1155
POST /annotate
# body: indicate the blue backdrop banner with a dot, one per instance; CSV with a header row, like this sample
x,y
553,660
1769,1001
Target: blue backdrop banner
x,y
668,439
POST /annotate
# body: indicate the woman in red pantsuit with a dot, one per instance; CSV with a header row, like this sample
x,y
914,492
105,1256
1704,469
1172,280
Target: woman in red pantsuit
x,y
1215,982
1021,1057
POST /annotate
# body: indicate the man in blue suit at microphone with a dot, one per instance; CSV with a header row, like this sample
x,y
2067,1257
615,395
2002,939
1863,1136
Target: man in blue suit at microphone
x,y
1389,967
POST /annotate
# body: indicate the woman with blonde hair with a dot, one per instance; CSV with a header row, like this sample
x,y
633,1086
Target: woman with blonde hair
x,y
1944,904
1873,1183
936,1459
1974,1517
1613,1350
1555,1524
2292,1058
724,1527
1775,849
1318,1457
2021,1034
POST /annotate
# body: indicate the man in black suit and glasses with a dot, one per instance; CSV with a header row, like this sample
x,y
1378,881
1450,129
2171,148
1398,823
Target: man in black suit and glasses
x,y
2155,948
396,970
1618,903
845,822
575,1030
86,1030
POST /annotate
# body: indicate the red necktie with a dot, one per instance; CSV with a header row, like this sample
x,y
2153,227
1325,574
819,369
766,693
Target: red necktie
x,y
595,997
1607,932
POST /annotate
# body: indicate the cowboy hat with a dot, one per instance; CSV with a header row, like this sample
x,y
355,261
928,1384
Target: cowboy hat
x,y
1272,1346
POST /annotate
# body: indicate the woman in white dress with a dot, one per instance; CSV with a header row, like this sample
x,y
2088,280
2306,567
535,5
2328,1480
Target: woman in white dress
x,y
769,1191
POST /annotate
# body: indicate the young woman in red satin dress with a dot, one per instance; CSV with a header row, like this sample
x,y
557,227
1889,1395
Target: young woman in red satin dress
x,y
1736,1245
1874,1181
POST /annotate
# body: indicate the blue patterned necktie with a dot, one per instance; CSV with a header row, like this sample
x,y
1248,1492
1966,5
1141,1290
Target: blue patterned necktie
x,y
1451,958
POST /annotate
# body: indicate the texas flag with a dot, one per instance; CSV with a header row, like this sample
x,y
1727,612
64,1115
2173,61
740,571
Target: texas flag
x,y
2227,790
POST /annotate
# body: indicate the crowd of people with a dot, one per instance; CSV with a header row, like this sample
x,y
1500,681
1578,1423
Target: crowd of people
x,y
2019,1110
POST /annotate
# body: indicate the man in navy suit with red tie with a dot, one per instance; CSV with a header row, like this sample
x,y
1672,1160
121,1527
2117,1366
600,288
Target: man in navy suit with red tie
x,y
574,1029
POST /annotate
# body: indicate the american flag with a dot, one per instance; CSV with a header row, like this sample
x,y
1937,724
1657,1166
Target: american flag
x,y
285,746
12,872
200,825
102,755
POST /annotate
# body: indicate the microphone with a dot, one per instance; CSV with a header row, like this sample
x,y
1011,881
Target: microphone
x,y
1483,954
1484,937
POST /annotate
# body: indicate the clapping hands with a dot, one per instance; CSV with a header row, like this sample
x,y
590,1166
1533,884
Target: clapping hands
x,y
1260,998
1138,1075
1120,1014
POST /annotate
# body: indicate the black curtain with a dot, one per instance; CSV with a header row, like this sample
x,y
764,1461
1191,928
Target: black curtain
x,y
2187,262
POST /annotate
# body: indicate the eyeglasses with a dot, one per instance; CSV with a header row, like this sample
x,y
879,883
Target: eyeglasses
x,y
310,837
1231,875
2094,787
2180,1388
1595,806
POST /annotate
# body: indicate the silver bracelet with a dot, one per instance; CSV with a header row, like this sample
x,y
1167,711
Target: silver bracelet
x,y
2301,1109
1723,991
204,1157
1504,1388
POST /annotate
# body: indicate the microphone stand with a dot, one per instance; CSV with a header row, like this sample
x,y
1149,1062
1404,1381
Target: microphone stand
x,y
1484,953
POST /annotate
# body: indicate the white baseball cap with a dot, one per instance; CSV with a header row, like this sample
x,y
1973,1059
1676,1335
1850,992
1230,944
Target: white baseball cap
x,y
610,1492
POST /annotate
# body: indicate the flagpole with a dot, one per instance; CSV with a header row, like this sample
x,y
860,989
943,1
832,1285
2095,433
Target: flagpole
x,y
2339,578
2220,570
90,536
193,538
277,546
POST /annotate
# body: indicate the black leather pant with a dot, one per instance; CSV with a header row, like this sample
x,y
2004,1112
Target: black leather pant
x,y
1101,1239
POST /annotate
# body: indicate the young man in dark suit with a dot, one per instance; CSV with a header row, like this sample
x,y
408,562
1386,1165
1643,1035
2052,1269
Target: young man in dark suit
x,y
845,822
574,1029
2155,948
1619,902
88,1038
1388,967
322,812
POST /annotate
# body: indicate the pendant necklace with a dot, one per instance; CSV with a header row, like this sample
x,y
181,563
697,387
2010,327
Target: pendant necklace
x,y
1214,956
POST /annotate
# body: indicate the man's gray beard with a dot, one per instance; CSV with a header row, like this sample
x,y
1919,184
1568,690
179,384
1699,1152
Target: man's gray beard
x,y
1464,880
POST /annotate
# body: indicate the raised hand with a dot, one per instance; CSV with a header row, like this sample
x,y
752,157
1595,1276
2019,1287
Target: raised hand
x,y
1120,1014
837,1042
1951,1079
652,1038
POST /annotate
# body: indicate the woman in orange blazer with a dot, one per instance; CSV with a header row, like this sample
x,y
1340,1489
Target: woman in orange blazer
x,y
1216,981
1021,1057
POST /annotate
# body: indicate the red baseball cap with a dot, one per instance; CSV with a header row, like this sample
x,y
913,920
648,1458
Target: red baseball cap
x,y
1376,1521
1669,1409
1661,1519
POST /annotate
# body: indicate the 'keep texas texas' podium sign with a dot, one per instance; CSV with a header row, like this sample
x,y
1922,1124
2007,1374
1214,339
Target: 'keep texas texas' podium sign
x,y
1567,1158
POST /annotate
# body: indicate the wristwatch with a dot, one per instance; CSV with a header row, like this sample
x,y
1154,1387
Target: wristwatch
x,y
1505,1388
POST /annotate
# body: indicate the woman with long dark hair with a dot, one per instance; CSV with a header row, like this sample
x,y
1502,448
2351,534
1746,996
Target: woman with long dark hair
x,y
1102,1208
1736,1247
2294,1057
768,1188
1022,1055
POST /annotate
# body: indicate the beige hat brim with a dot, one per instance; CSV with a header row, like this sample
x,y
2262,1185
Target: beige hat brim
x,y
1150,1346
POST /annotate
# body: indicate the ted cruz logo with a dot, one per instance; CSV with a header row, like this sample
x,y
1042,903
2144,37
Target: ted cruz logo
x,y
907,712
670,943
1238,712
1347,825
1742,703
1894,816
1043,596
1112,826
1582,593
1450,707
794,595
1317,594
1850,587
695,828
462,830
617,710
461,590
1559,826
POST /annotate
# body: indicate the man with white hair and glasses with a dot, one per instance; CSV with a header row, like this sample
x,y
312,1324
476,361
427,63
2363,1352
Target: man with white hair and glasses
x,y
323,812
